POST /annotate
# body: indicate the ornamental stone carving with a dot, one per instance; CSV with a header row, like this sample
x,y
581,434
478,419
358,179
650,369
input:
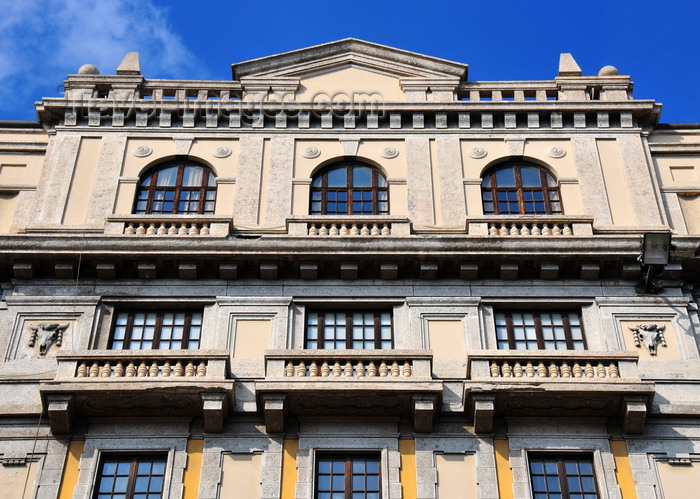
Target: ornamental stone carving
x,y
478,153
221,152
649,335
311,152
142,151
389,152
46,335
556,152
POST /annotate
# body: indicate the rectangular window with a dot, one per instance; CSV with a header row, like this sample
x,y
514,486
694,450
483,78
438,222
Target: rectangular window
x,y
562,477
348,477
156,330
535,330
130,477
363,330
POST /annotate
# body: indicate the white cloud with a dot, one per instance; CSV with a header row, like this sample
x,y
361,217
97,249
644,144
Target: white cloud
x,y
41,41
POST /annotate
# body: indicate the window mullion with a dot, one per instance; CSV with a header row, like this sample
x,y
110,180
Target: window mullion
x,y
377,331
545,192
511,332
127,334
186,331
348,478
564,485
131,482
157,330
567,331
321,333
539,334
349,331
520,189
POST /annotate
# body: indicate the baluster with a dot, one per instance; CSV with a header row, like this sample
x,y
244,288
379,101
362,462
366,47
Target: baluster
x,y
173,229
494,370
153,371
343,229
141,229
553,370
600,370
313,369
578,372
130,369
541,370
383,370
567,230
312,230
518,370
589,370
325,369
162,229
323,231
565,370
493,231
546,230
354,231
347,371
119,370
129,229
166,371
365,230
375,230
151,229
536,230
289,369
614,372
503,230
82,370
524,230
514,230
179,369
202,369
336,369
360,369
386,231
205,230
194,231
94,370
106,370
301,370
395,370
371,370
406,372
333,231
556,231
529,370
182,231
506,370
189,370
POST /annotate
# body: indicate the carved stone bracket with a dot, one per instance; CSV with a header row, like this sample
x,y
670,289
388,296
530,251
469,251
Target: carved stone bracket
x,y
424,408
274,410
60,409
484,408
634,413
214,407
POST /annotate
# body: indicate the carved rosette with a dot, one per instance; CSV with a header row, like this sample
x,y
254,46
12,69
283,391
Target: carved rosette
x,y
142,151
311,152
556,152
221,152
477,153
389,152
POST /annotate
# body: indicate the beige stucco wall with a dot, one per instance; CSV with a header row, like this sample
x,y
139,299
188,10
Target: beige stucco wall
x,y
241,475
13,480
678,481
252,338
349,84
446,339
456,476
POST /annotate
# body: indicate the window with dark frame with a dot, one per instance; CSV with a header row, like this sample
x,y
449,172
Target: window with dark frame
x,y
130,477
358,329
349,188
181,188
539,330
562,477
156,330
520,188
348,477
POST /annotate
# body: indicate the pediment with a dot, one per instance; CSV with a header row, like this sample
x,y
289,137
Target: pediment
x,y
351,66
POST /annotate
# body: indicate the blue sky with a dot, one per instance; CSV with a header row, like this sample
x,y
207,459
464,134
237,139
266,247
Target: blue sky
x,y
41,41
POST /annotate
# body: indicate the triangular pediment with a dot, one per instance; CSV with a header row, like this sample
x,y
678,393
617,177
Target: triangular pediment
x,y
350,53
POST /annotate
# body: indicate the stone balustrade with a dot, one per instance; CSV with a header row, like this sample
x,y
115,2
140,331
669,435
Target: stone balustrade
x,y
367,226
163,229
504,91
562,365
529,229
345,364
332,229
529,226
168,225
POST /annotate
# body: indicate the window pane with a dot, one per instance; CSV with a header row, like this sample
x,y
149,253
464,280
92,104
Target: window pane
x,y
167,176
505,177
337,177
530,176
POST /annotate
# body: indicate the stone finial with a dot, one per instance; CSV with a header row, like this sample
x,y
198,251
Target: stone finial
x,y
568,66
130,65
608,71
88,69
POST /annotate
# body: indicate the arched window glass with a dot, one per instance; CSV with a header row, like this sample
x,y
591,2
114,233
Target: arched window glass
x,y
349,188
520,189
183,188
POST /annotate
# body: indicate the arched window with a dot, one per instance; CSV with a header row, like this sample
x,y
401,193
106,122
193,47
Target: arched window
x,y
520,188
183,188
349,188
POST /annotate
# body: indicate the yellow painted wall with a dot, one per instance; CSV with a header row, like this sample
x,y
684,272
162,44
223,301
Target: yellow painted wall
x,y
407,473
71,469
241,475
501,449
623,470
290,447
446,339
678,481
193,470
252,338
82,181
456,476
670,352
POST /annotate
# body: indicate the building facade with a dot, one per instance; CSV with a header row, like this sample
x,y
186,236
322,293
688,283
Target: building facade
x,y
349,271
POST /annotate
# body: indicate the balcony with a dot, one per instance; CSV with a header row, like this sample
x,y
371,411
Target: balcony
x,y
349,226
529,226
348,382
169,225
109,383
543,383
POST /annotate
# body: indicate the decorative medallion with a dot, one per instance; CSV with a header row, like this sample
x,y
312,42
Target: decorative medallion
x,y
477,153
142,151
556,152
311,152
649,335
389,152
221,152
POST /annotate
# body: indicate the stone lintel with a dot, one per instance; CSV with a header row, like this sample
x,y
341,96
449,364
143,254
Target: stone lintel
x,y
214,407
60,410
106,271
23,270
274,409
549,271
147,270
349,271
424,407
228,271
187,271
633,416
484,408
268,271
509,271
428,271
389,271
308,271
590,271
